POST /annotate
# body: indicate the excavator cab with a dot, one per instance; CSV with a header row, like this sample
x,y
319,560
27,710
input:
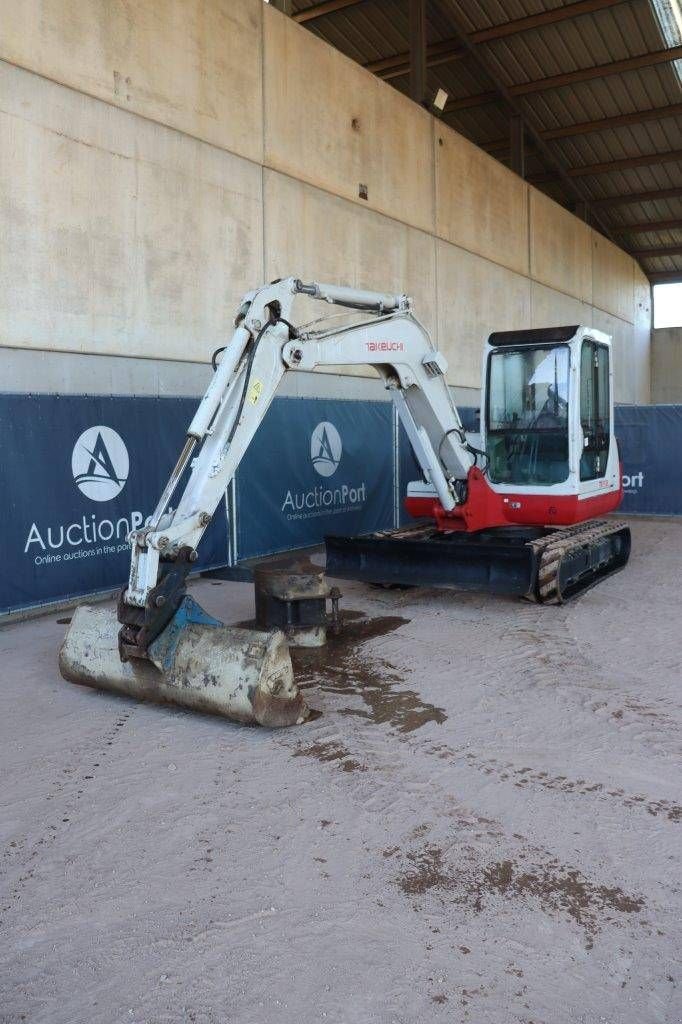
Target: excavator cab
x,y
547,420
547,455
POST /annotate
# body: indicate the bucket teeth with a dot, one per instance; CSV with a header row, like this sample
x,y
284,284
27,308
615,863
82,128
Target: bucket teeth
x,y
244,675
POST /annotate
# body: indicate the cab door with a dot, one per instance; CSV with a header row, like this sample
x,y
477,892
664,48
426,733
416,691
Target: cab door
x,y
595,416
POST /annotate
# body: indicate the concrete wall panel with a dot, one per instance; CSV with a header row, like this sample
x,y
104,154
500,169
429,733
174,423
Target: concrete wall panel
x,y
612,278
666,365
640,356
332,124
560,255
192,64
480,205
622,341
119,236
475,297
554,309
315,236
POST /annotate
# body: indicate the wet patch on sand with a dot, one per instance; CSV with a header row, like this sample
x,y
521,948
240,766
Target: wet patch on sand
x,y
563,890
344,667
328,752
546,883
427,871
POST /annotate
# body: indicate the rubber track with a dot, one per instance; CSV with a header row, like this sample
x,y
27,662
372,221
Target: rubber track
x,y
551,551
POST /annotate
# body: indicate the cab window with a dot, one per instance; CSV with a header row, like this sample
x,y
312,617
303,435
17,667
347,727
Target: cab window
x,y
527,415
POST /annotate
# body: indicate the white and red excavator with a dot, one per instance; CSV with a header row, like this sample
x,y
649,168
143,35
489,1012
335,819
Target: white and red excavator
x,y
517,513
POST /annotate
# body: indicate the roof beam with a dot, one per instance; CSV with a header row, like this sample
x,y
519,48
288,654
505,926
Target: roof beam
x,y
399,63
608,166
619,121
649,225
628,198
666,277
652,254
603,124
319,10
479,99
510,28
616,67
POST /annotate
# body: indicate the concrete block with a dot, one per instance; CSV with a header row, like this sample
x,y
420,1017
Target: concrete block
x,y
480,204
560,254
612,278
120,236
332,124
313,235
475,297
194,65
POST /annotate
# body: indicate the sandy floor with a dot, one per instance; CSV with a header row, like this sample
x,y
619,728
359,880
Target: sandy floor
x,y
483,824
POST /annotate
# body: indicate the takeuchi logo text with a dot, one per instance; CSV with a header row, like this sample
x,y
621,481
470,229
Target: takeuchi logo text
x,y
385,346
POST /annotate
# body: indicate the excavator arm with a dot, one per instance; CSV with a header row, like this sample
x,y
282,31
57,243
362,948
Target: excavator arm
x,y
263,348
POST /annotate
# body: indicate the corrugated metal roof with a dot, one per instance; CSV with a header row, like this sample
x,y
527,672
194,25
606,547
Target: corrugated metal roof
x,y
368,30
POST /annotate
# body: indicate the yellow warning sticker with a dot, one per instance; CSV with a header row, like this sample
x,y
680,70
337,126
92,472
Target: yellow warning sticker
x,y
255,391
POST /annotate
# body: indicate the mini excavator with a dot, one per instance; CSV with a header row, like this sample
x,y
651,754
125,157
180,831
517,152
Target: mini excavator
x,y
517,513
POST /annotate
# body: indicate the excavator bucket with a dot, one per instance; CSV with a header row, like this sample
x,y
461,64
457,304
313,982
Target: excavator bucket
x,y
241,674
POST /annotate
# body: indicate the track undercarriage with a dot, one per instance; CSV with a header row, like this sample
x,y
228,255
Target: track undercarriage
x,y
545,565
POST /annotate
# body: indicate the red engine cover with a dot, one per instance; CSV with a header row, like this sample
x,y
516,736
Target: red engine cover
x,y
485,508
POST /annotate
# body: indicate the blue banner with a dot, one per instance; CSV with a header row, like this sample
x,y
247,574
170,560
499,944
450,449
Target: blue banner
x,y
650,440
76,474
316,466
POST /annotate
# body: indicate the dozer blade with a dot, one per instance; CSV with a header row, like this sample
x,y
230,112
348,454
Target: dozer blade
x,y
241,674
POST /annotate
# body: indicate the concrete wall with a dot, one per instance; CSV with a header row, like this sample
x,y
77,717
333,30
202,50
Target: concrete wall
x,y
666,365
158,159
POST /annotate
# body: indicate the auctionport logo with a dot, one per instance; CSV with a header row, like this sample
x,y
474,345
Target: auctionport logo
x,y
325,448
100,463
633,482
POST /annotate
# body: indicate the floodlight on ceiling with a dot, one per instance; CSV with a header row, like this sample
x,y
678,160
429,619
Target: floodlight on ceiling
x,y
440,99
